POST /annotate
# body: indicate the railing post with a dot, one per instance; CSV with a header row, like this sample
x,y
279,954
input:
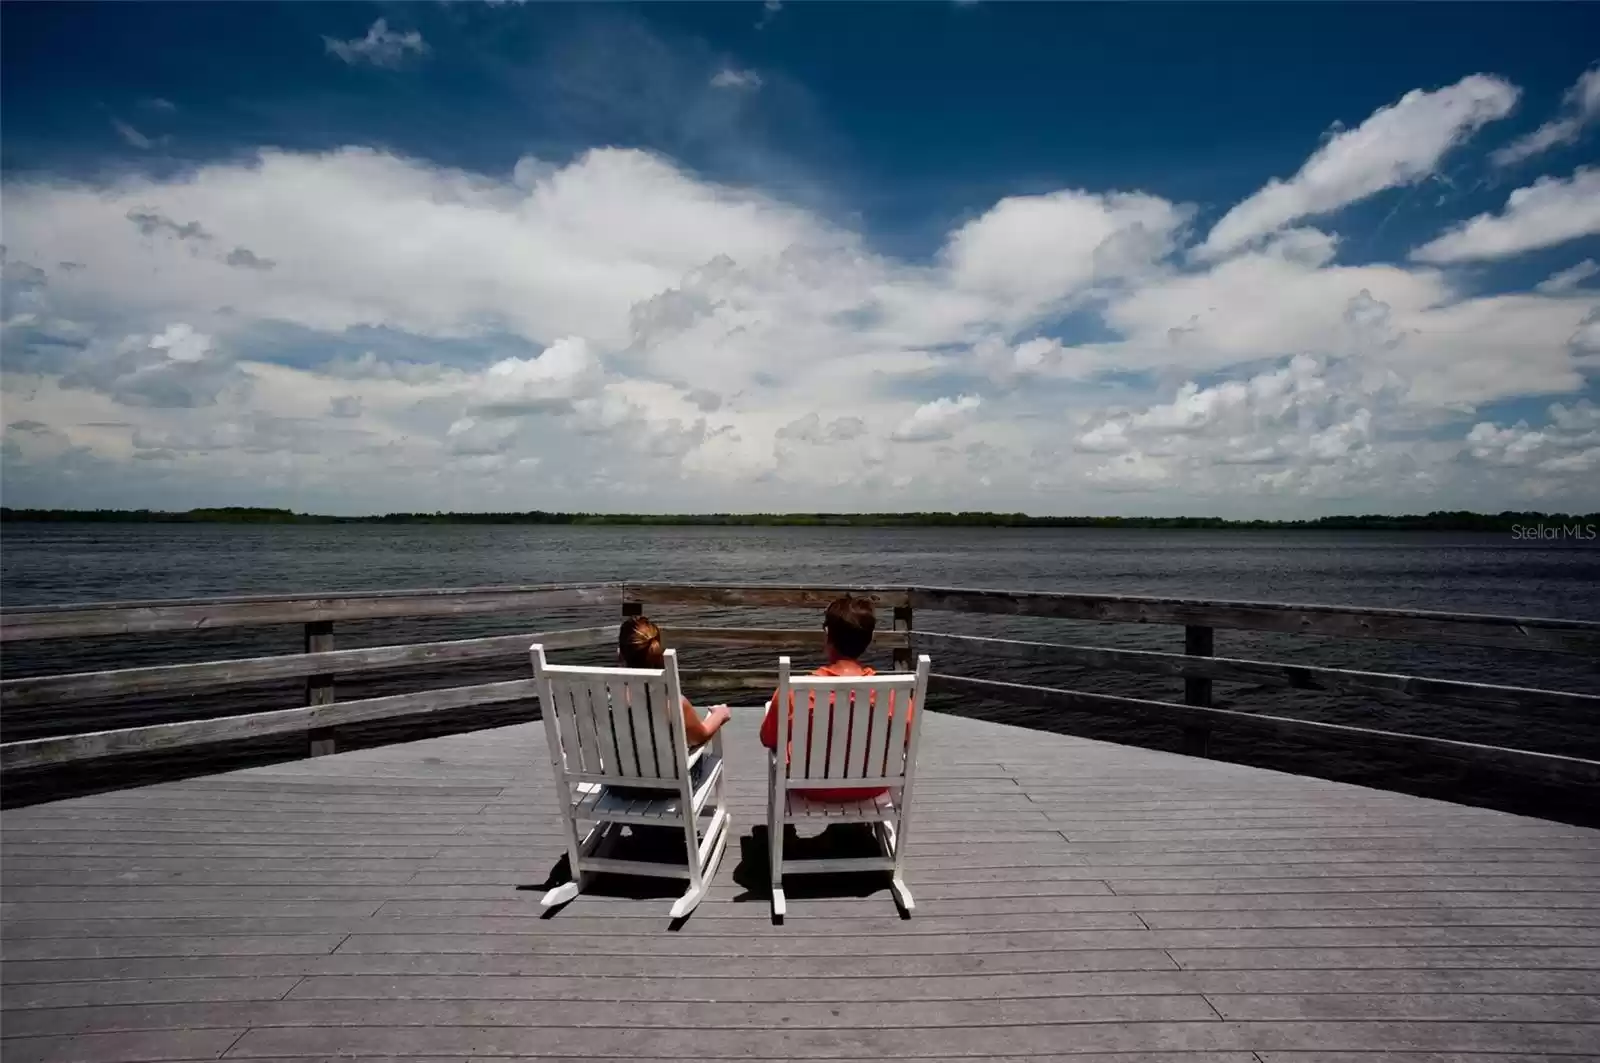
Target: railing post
x,y
1197,642
631,609
319,688
903,654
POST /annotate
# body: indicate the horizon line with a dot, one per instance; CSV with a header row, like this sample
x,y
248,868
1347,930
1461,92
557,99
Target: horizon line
x,y
1445,519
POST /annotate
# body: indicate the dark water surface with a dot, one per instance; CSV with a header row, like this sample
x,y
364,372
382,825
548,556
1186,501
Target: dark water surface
x,y
1486,573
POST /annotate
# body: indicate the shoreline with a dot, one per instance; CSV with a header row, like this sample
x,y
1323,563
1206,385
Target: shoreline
x,y
1529,525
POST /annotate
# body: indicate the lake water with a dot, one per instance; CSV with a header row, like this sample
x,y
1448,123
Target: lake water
x,y
1489,573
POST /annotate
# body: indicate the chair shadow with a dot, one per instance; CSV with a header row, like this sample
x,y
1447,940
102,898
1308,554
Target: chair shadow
x,y
837,841
666,845
663,845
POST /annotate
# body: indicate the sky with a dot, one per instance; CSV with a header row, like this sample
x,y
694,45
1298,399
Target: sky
x,y
1246,260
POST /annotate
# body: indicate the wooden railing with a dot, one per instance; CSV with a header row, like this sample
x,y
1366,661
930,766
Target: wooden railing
x,y
321,664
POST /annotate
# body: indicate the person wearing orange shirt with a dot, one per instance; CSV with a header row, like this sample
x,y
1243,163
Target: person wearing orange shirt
x,y
847,626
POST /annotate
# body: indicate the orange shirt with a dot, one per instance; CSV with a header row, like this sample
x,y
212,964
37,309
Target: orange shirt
x,y
769,735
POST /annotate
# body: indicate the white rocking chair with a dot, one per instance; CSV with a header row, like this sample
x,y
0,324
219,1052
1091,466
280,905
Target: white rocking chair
x,y
860,733
609,727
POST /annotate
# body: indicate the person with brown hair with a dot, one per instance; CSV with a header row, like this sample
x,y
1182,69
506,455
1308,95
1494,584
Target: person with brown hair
x,y
847,632
639,646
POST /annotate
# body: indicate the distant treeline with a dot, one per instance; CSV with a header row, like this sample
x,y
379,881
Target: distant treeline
x,y
1455,520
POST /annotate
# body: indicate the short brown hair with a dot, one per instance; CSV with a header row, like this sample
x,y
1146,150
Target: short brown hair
x,y
639,642
849,622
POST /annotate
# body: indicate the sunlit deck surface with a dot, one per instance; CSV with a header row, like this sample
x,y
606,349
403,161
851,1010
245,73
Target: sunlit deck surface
x,y
1075,900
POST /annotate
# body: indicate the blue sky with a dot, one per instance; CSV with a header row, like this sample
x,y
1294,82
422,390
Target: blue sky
x,y
734,255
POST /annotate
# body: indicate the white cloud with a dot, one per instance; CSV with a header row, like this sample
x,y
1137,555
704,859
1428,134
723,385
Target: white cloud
x,y
1452,350
345,406
1236,406
1568,279
470,437
615,332
177,368
1580,418
939,419
1585,341
729,457
1335,429
1033,361
1582,106
362,238
182,343
150,223
381,47
1307,428
810,429
1218,316
1489,349
132,135
567,370
244,258
729,78
1029,253
1397,145
1568,445
1548,212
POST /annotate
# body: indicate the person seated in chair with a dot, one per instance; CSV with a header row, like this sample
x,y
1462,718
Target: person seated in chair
x,y
639,646
847,628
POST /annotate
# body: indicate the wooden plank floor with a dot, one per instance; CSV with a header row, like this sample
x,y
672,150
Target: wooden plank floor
x,y
1076,900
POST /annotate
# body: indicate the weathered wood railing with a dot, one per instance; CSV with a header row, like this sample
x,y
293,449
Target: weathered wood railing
x,y
321,664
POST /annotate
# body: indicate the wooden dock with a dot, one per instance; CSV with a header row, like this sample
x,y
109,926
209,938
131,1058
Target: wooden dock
x,y
1076,901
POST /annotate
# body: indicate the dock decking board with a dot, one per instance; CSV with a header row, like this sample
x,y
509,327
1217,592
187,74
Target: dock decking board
x,y
1076,900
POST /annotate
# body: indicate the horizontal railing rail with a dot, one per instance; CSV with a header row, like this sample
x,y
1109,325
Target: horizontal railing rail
x,y
1338,621
146,617
74,687
1547,766
321,664
204,614
71,688
310,719
1381,686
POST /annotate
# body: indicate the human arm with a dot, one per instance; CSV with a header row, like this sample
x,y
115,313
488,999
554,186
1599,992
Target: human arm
x,y
699,731
770,722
